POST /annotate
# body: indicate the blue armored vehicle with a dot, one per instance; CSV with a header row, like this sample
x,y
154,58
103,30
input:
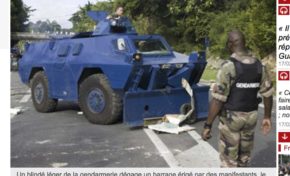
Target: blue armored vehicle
x,y
113,73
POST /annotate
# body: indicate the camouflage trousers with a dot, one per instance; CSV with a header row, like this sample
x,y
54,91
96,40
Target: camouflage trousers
x,y
236,137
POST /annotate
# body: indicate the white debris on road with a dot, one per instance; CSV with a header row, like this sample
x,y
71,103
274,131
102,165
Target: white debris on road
x,y
43,142
170,128
134,148
59,164
15,111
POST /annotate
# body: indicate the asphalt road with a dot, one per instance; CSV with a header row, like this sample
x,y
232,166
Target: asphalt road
x,y
66,139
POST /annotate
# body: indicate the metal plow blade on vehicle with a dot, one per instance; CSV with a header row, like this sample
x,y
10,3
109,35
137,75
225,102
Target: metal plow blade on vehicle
x,y
139,106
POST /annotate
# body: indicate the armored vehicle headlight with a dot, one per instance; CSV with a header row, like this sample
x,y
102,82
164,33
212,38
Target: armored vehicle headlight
x,y
178,65
137,57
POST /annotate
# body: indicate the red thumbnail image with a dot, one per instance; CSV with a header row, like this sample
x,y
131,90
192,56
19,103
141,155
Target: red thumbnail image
x,y
283,10
284,137
283,75
284,1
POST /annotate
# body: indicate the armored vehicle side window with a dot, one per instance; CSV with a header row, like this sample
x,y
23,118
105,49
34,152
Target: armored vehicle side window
x,y
51,44
150,46
63,50
121,44
77,48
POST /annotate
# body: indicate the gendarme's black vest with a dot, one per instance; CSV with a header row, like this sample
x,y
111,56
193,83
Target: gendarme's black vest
x,y
243,92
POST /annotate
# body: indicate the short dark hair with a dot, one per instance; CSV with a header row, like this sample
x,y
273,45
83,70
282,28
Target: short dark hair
x,y
119,6
237,37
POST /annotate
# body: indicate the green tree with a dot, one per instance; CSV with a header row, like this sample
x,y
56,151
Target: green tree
x,y
255,18
45,26
19,15
233,17
81,22
55,27
186,23
262,27
192,22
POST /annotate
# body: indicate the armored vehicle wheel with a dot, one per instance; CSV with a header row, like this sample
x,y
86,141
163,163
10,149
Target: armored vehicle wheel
x,y
184,109
98,101
40,96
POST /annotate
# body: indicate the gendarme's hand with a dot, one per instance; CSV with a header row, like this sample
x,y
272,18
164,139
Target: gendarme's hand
x,y
109,17
266,126
206,134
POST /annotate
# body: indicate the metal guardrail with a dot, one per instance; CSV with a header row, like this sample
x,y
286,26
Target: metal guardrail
x,y
35,36
29,36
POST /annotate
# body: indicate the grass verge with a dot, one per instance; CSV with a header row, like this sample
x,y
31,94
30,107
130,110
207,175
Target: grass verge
x,y
209,74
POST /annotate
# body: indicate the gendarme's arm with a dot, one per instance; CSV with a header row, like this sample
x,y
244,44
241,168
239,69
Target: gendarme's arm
x,y
267,91
220,90
268,103
215,107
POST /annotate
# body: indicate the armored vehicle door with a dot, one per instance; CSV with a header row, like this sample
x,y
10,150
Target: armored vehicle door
x,y
61,74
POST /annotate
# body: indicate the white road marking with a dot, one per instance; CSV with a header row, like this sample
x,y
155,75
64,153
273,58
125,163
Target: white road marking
x,y
26,97
162,148
200,155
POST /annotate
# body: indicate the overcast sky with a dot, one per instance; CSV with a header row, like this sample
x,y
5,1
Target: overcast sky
x,y
58,10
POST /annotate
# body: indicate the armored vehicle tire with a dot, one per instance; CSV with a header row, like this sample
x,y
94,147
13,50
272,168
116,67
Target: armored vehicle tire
x,y
98,101
184,110
40,95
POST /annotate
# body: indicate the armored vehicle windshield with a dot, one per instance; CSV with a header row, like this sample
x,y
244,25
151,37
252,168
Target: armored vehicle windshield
x,y
150,47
